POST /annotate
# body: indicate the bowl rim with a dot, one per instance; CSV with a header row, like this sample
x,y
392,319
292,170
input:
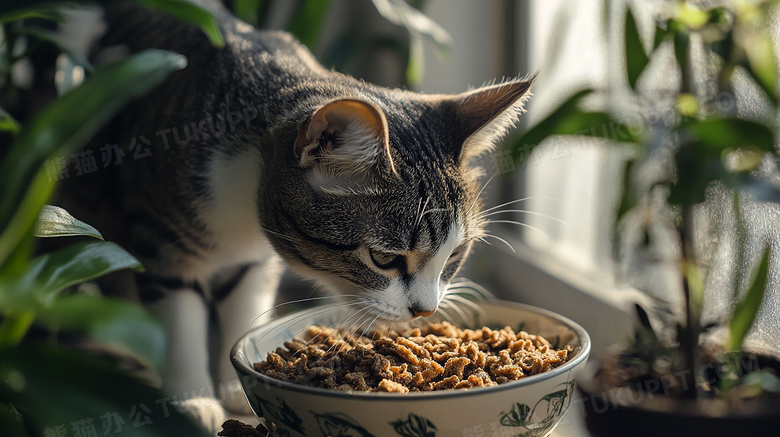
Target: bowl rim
x,y
241,367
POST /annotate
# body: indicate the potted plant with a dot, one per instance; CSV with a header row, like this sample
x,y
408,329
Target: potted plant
x,y
48,387
676,376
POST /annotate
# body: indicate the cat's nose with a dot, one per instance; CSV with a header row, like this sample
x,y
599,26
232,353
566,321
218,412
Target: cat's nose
x,y
418,312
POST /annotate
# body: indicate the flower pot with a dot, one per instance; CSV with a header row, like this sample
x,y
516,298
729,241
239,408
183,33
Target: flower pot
x,y
647,409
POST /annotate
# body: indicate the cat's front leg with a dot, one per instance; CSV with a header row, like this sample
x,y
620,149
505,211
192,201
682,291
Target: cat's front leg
x,y
246,306
186,378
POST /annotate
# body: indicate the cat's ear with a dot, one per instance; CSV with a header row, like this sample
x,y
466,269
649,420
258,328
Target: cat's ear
x,y
345,137
484,115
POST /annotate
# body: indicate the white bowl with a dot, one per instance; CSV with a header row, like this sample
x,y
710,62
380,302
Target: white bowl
x,y
531,406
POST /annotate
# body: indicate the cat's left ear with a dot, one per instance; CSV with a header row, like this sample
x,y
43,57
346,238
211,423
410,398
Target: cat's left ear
x,y
484,115
345,137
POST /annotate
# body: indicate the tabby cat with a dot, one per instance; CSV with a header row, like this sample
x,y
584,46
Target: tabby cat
x,y
254,155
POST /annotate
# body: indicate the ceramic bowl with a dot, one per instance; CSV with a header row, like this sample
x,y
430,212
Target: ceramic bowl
x,y
531,406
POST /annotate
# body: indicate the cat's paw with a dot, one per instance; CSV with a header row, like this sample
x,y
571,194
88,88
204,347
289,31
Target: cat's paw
x,y
208,412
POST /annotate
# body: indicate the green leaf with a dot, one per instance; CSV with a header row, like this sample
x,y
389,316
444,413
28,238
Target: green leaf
x,y
402,14
53,272
9,14
747,308
730,133
123,325
11,421
307,20
663,34
761,63
192,13
628,198
415,64
569,119
8,123
61,128
248,10
58,387
682,50
54,221
697,166
636,57
55,39
644,319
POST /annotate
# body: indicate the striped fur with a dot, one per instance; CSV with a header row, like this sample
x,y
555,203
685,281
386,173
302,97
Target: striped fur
x,y
224,189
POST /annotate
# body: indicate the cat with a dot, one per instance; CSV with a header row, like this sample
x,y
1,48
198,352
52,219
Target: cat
x,y
255,157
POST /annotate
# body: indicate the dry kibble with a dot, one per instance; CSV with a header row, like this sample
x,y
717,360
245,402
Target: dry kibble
x,y
436,357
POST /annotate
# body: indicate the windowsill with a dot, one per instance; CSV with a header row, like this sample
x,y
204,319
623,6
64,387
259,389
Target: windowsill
x,y
535,278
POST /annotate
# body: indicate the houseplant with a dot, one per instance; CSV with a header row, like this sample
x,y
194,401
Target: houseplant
x,y
682,373
48,387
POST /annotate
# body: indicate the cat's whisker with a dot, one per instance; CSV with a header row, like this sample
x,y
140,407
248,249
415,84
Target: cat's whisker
x,y
349,330
476,290
513,222
345,334
512,202
524,211
282,236
320,337
295,319
304,300
368,329
476,198
501,240
421,212
458,298
449,305
358,331
436,210
314,314
482,239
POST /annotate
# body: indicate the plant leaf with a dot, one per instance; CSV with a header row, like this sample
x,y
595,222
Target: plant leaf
x,y
53,272
663,34
54,221
636,57
192,13
55,39
307,21
747,308
697,166
731,133
13,12
8,123
11,421
120,324
402,14
62,127
628,198
415,64
761,63
569,119
59,387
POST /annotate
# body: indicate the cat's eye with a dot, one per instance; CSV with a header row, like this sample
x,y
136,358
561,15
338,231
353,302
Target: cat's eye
x,y
383,260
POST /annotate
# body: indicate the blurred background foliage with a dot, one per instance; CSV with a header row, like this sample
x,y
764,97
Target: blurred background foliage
x,y
53,380
672,169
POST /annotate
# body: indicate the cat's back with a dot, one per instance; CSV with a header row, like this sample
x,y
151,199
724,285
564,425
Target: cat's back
x,y
174,138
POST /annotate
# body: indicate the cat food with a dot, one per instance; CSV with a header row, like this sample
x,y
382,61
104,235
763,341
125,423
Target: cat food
x,y
439,356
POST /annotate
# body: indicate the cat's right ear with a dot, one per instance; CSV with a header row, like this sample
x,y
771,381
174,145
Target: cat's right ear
x,y
345,137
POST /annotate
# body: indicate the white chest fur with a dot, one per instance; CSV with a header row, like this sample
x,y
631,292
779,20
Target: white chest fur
x,y
231,212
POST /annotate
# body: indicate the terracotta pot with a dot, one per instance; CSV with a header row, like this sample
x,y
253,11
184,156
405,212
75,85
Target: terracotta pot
x,y
623,412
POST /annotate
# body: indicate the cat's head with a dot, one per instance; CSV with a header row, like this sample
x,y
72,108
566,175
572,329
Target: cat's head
x,y
379,200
